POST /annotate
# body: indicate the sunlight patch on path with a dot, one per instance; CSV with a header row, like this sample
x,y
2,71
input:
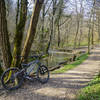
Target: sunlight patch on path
x,y
49,91
60,86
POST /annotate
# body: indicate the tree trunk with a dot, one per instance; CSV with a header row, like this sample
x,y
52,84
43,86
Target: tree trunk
x,y
51,26
75,40
89,40
93,12
51,35
58,35
43,19
78,25
92,40
4,37
19,34
17,13
81,32
41,39
67,36
89,35
99,29
81,22
32,28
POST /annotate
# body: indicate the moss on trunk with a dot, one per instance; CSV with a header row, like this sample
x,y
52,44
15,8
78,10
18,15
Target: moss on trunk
x,y
4,37
19,34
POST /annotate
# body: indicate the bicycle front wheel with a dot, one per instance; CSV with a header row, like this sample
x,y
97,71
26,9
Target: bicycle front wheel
x,y
10,80
43,74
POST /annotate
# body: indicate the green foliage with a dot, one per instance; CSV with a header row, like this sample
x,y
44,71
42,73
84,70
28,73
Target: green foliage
x,y
92,91
78,61
99,74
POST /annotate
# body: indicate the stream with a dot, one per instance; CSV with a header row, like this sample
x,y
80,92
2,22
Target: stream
x,y
55,58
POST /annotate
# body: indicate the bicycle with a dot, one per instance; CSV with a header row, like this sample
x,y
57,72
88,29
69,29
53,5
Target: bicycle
x,y
13,78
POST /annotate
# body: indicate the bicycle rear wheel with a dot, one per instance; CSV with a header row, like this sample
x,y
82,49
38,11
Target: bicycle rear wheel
x,y
10,80
43,74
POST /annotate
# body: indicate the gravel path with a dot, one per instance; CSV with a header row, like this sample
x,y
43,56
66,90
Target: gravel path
x,y
60,86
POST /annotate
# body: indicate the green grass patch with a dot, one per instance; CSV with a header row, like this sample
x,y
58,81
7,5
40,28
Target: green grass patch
x,y
91,92
78,61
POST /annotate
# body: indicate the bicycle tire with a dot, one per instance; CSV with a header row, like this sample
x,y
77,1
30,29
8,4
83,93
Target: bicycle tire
x,y
20,79
42,70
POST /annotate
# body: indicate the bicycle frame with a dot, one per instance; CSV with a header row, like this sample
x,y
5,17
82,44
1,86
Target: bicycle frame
x,y
37,61
30,71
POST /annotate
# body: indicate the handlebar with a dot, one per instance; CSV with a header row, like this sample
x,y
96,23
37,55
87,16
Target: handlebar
x,y
36,56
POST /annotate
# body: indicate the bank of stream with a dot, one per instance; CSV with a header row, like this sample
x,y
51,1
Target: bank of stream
x,y
57,58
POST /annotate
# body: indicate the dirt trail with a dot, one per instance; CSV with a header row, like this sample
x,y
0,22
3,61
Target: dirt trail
x,y
60,86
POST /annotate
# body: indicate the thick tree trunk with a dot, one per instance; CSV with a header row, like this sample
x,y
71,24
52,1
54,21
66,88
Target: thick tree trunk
x,y
4,37
19,34
32,28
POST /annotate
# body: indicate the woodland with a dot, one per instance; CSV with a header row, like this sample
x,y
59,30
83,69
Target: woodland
x,y
42,26
35,26
64,31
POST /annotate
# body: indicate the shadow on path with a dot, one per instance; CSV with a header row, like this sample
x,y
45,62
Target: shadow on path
x,y
60,86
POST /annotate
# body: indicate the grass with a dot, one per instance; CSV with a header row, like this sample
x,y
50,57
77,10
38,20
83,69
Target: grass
x,y
78,61
91,92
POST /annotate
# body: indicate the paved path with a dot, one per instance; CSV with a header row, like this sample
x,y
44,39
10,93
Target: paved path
x,y
60,86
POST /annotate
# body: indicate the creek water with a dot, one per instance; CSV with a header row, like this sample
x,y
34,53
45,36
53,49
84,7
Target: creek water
x,y
55,58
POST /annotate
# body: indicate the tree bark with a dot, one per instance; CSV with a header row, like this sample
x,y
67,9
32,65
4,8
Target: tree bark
x,y
32,28
78,25
93,11
4,37
92,40
81,22
17,13
75,40
58,35
98,29
51,35
51,26
89,34
19,34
